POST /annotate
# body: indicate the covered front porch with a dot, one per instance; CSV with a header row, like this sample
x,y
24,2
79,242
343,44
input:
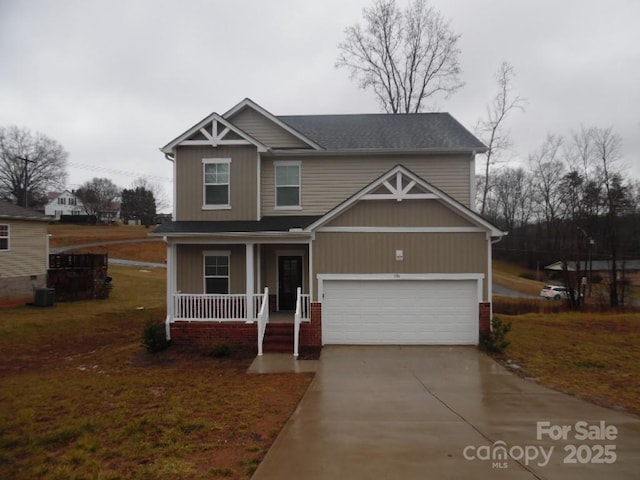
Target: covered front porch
x,y
241,287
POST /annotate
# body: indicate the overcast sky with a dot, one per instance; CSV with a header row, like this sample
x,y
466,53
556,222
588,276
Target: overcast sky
x,y
114,81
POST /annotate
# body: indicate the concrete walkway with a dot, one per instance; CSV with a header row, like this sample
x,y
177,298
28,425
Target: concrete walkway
x,y
443,412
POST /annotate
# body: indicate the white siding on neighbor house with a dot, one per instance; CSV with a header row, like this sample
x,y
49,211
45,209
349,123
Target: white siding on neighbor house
x,y
328,181
64,204
27,254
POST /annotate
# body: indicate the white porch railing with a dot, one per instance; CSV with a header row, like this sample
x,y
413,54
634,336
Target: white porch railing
x,y
221,308
263,317
303,314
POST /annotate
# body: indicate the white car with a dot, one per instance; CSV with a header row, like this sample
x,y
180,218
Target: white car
x,y
555,292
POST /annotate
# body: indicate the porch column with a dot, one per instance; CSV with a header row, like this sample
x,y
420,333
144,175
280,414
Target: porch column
x,y
250,280
172,282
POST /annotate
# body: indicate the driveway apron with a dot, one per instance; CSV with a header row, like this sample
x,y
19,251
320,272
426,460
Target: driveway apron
x,y
444,412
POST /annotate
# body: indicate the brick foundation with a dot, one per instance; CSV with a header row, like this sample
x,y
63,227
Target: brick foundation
x,y
485,319
211,334
240,334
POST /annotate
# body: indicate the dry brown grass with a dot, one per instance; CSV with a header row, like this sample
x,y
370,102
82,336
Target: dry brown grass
x,y
65,234
592,355
81,398
155,252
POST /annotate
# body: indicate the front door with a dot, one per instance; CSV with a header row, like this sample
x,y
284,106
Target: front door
x,y
289,279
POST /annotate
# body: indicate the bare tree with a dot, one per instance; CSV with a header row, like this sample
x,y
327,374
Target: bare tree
x,y
608,145
512,193
30,165
491,129
158,191
548,170
99,197
406,57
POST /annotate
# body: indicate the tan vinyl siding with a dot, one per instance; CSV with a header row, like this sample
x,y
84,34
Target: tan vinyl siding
x,y
269,265
264,130
190,265
27,254
328,181
422,252
391,213
189,183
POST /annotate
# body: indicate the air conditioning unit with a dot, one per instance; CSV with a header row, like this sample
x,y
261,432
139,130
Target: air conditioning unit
x,y
45,297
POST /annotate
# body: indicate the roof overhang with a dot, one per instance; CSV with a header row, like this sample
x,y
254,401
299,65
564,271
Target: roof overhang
x,y
360,152
27,218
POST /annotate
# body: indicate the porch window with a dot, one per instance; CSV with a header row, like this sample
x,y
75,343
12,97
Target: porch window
x,y
217,173
216,272
4,237
287,185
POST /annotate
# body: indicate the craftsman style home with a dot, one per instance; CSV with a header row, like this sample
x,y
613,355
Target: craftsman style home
x,y
345,229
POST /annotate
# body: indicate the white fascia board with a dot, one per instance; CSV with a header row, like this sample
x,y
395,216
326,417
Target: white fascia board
x,y
247,102
356,229
169,148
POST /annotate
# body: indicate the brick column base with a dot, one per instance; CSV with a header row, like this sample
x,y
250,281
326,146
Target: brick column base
x,y
311,333
485,319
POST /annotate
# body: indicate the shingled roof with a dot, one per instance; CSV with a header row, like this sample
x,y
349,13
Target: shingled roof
x,y
408,132
9,210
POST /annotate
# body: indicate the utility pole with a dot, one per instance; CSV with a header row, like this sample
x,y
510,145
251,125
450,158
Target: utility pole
x,y
26,179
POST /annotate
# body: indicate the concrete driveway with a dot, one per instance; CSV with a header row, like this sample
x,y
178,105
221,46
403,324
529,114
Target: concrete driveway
x,y
444,412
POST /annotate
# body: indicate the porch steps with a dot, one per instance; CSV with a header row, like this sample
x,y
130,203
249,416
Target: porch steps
x,y
278,338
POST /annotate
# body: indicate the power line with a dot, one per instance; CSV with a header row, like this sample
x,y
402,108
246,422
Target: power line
x,y
125,173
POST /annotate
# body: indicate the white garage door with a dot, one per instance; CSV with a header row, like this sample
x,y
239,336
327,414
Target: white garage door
x,y
416,312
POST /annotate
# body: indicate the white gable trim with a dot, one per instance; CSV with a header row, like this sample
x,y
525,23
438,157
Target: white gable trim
x,y
251,104
396,192
208,127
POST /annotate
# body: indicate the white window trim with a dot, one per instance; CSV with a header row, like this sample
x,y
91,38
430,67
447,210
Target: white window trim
x,y
211,161
215,253
8,237
287,163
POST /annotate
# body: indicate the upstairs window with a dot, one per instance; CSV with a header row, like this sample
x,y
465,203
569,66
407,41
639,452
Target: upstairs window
x,y
4,237
216,272
62,201
217,175
287,185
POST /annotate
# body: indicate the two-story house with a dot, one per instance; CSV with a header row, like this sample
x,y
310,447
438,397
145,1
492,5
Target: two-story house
x,y
63,203
359,226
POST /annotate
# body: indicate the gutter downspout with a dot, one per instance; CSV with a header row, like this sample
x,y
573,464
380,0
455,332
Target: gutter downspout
x,y
171,158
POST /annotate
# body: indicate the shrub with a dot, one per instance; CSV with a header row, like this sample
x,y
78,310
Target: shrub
x,y
222,350
496,341
154,337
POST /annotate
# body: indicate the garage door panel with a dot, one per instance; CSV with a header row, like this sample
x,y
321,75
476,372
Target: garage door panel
x,y
400,312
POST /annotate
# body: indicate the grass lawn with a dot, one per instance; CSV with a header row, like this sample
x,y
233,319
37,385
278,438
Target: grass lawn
x,y
592,355
155,252
63,234
81,398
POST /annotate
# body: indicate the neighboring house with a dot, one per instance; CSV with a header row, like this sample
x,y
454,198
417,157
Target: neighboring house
x,y
601,267
63,203
24,252
370,215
